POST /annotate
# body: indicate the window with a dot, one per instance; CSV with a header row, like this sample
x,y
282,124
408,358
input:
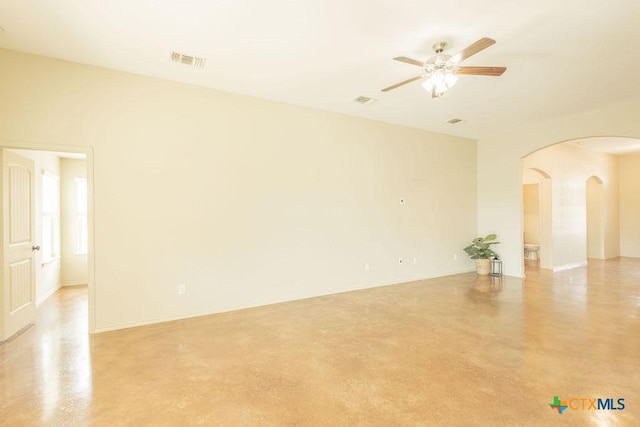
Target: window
x,y
50,216
81,219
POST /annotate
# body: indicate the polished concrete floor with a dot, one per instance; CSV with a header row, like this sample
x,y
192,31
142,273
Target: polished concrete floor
x,y
459,350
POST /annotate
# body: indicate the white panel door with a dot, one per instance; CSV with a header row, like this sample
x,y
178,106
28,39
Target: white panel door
x,y
17,280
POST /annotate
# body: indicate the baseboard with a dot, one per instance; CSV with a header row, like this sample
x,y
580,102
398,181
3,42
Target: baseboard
x,y
157,321
570,266
244,307
516,276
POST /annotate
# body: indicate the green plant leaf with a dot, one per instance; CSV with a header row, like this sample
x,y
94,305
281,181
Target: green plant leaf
x,y
480,248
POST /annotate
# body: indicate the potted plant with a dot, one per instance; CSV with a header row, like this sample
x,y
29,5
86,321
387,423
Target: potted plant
x,y
480,250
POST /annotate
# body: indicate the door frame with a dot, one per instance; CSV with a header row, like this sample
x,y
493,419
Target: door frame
x,y
88,152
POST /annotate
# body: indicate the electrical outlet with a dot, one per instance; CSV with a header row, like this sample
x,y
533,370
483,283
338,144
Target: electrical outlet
x,y
455,257
182,289
415,261
366,266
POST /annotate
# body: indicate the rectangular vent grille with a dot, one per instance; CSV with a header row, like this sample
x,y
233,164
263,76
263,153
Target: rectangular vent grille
x,y
364,100
190,60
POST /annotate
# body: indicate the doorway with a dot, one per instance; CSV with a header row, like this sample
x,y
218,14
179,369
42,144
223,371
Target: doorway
x,y
537,226
63,221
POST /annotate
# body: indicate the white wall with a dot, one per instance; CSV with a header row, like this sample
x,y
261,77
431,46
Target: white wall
x,y
246,201
630,205
74,265
499,183
47,274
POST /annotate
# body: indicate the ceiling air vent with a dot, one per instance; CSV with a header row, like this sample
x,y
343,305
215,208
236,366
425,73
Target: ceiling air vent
x,y
190,60
364,100
455,121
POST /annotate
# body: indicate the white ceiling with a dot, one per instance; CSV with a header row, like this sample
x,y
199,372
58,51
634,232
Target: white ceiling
x,y
611,145
65,155
563,57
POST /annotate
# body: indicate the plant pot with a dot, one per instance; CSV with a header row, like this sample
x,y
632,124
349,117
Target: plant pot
x,y
483,266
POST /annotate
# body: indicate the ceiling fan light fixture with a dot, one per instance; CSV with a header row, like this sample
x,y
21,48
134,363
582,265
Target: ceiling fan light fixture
x,y
450,79
437,78
441,70
440,81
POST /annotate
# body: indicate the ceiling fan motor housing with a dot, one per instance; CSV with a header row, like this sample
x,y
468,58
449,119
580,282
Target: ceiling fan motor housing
x,y
439,47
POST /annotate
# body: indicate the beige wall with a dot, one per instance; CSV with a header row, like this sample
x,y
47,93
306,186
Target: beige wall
x,y
595,218
531,206
630,205
74,265
499,183
244,200
47,274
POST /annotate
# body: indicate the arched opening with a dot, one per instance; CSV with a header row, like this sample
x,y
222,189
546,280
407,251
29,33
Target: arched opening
x,y
593,193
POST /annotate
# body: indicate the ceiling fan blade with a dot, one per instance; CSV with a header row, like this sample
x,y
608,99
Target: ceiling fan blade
x,y
413,79
409,61
481,71
481,44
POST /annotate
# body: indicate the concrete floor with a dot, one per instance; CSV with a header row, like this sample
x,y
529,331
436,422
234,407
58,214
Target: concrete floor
x,y
458,350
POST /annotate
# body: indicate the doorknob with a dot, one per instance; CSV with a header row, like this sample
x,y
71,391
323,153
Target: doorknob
x,y
35,248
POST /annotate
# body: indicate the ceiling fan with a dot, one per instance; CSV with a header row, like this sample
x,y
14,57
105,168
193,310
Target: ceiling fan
x,y
443,70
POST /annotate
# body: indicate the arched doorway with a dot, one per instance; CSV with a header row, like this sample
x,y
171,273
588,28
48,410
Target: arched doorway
x,y
586,201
